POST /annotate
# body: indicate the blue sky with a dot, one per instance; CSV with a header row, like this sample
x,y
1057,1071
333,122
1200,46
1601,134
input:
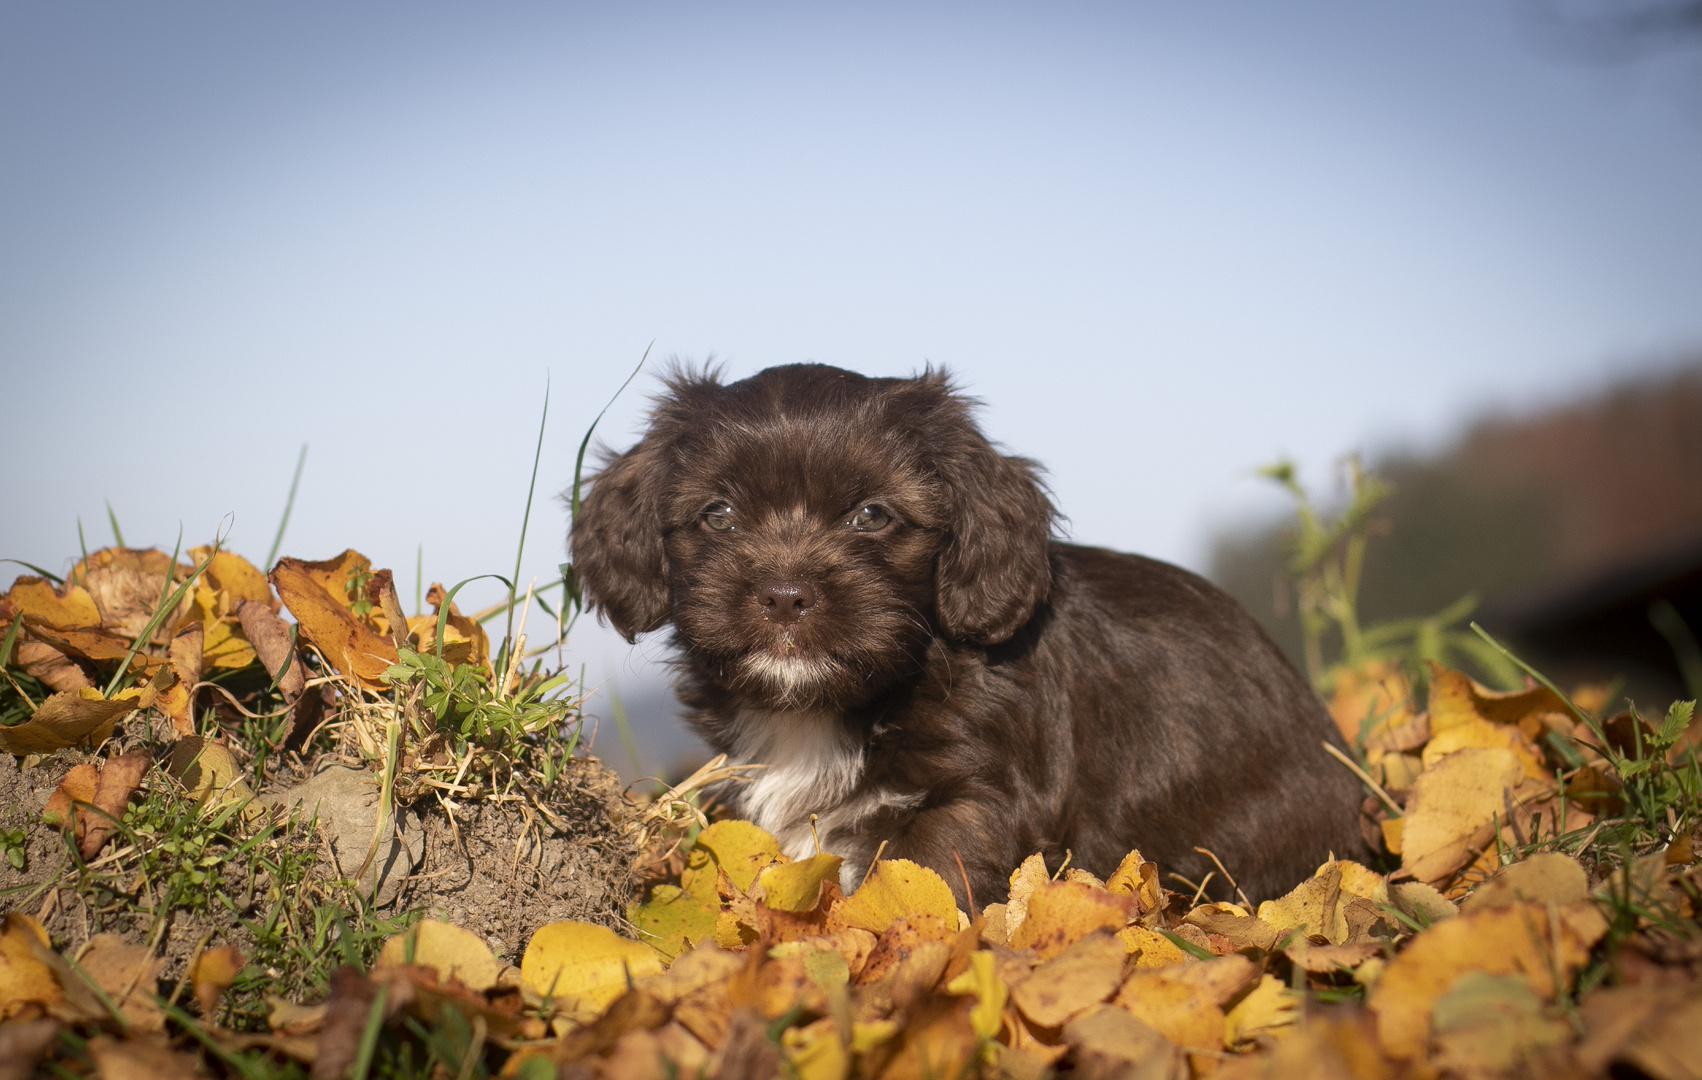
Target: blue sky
x,y
1163,243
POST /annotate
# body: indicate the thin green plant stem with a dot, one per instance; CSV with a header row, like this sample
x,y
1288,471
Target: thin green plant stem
x,y
448,598
526,520
289,504
1685,649
82,544
625,728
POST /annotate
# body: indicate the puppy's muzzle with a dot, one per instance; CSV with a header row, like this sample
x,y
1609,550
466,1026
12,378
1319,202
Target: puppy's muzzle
x,y
785,600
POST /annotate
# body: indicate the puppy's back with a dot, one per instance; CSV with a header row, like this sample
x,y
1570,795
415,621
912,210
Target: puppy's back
x,y
1190,728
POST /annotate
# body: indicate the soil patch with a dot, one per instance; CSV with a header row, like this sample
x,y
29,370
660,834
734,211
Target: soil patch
x,y
502,870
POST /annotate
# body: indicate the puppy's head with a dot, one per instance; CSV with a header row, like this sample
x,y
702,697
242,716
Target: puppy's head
x,y
807,530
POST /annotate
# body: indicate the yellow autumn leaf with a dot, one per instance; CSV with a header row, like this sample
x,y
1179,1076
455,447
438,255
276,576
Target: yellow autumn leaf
x,y
1512,940
1083,975
1061,913
1375,691
209,772
454,952
739,848
815,1051
69,606
1270,1007
233,575
214,972
585,962
673,920
1456,697
1452,810
1150,948
1478,732
894,888
981,978
1312,907
65,719
797,886
24,978
1138,877
322,611
1026,878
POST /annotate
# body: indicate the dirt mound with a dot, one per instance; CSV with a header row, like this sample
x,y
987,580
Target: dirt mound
x,y
502,870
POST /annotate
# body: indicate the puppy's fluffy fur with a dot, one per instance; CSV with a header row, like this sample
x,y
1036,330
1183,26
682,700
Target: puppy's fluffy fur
x,y
866,598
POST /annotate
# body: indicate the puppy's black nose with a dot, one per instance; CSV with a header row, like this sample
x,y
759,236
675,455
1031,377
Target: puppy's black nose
x,y
783,601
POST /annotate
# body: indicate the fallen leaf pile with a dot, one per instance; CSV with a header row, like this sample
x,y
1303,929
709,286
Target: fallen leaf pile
x,y
1489,952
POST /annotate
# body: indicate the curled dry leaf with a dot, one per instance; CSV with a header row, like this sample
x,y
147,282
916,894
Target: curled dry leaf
x,y
1456,698
65,719
42,661
321,608
270,637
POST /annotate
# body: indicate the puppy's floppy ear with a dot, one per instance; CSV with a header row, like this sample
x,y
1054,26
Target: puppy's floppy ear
x,y
995,568
617,541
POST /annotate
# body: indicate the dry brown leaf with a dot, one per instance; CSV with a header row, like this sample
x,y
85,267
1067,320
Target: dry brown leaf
x,y
208,772
119,778
65,719
1084,974
937,1042
23,1043
1061,913
1452,810
1186,1014
1231,921
1030,875
1487,1026
899,940
42,661
140,1059
129,975
1338,1046
1514,940
350,644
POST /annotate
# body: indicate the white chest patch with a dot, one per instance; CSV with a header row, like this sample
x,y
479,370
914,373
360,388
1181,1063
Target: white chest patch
x,y
814,766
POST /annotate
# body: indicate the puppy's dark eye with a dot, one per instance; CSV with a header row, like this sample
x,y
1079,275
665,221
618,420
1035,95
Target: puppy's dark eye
x,y
870,519
718,516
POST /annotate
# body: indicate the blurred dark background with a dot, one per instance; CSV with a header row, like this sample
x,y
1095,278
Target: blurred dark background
x,y
1576,526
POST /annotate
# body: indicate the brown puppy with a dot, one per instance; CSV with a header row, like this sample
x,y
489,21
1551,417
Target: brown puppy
x,y
866,598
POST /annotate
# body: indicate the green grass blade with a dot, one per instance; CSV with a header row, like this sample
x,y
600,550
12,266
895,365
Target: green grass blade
x,y
117,533
289,504
49,575
579,461
11,638
82,544
526,518
167,605
625,728
449,597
